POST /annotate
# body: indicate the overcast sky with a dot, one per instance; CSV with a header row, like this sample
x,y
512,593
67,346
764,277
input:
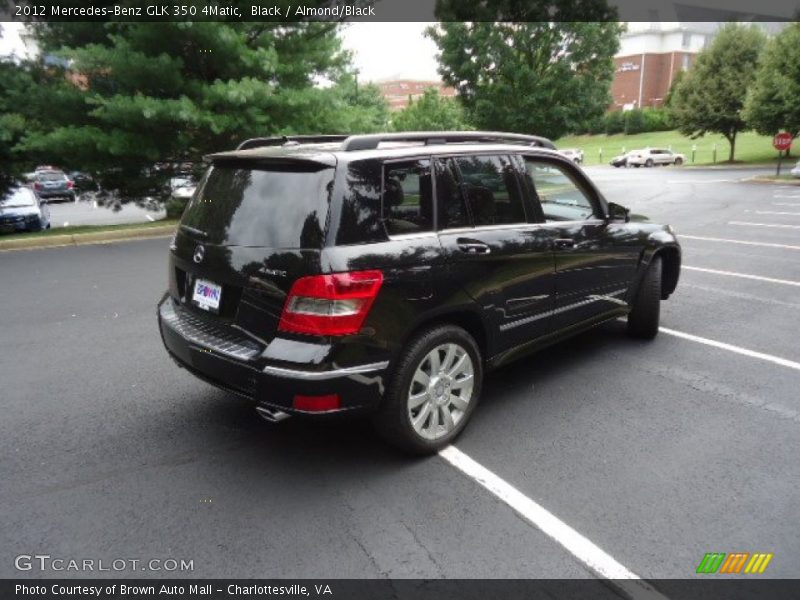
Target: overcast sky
x,y
380,50
391,51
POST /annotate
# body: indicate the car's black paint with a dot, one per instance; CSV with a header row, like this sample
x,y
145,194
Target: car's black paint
x,y
532,288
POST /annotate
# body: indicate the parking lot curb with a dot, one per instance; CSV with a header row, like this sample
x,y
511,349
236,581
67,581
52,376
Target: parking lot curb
x,y
79,239
772,180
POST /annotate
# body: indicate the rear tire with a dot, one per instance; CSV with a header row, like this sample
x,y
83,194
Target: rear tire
x,y
678,162
646,311
443,360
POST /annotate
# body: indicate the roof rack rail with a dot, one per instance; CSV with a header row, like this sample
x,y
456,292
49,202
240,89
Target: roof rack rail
x,y
283,140
371,141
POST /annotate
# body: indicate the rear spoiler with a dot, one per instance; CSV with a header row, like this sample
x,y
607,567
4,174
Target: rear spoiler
x,y
257,156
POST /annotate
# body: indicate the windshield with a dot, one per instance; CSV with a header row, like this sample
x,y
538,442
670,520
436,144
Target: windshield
x,y
17,197
277,207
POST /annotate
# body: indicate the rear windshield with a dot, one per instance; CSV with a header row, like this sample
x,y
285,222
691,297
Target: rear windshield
x,y
275,207
51,176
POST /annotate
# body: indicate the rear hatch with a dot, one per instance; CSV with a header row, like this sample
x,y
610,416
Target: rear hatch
x,y
52,182
251,229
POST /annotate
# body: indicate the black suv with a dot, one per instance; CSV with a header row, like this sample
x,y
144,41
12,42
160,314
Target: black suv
x,y
387,273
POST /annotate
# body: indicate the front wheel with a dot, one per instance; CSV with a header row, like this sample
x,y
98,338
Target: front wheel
x,y
649,162
678,162
646,311
433,390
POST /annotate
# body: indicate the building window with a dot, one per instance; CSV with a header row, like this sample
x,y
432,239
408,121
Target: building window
x,y
687,40
687,61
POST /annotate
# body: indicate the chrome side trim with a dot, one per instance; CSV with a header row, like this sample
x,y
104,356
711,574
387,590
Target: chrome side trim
x,y
590,299
323,375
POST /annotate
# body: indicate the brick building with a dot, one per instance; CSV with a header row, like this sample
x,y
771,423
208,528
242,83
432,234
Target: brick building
x,y
398,91
650,55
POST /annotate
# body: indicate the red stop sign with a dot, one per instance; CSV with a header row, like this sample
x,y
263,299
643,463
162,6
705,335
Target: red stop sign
x,y
782,141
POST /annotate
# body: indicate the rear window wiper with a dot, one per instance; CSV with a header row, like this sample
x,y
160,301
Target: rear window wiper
x,y
197,232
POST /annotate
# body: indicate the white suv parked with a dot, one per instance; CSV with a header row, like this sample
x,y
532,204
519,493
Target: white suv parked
x,y
574,154
650,157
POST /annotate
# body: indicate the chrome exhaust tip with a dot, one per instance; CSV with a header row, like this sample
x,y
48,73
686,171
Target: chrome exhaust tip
x,y
272,415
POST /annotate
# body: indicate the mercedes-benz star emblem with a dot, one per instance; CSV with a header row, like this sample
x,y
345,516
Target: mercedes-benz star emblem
x,y
199,253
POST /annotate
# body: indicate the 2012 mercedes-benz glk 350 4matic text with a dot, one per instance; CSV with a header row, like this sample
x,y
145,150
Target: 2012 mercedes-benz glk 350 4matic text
x,y
387,273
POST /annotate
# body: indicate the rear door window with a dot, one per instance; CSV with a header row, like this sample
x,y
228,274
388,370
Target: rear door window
x,y
491,190
284,206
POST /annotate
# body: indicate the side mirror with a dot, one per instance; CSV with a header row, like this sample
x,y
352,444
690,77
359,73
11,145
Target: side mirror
x,y
617,213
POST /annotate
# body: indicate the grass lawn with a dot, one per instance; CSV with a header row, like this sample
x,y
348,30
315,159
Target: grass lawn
x,y
87,229
750,147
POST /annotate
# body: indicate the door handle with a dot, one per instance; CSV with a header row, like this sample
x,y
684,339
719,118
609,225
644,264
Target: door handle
x,y
472,246
563,243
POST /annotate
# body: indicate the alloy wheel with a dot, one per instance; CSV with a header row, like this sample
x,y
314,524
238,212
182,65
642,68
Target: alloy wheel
x,y
440,391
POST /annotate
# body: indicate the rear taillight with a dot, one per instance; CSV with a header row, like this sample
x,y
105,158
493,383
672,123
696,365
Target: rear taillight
x,y
69,184
37,186
334,304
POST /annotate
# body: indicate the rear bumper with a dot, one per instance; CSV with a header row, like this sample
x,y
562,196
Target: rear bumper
x,y
228,359
47,195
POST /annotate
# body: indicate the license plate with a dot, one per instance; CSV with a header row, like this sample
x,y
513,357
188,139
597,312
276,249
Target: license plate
x,y
207,295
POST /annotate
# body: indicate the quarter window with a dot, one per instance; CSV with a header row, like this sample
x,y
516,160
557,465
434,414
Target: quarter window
x,y
490,188
407,197
561,198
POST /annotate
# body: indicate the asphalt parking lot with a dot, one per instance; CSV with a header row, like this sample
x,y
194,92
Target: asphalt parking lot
x,y
654,452
87,211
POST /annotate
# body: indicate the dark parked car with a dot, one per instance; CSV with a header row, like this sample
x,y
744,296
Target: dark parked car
x,y
51,185
619,161
83,182
388,273
20,210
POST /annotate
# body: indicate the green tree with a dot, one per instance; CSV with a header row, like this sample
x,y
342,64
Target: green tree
x,y
353,108
676,81
431,112
543,77
139,93
773,102
710,97
15,83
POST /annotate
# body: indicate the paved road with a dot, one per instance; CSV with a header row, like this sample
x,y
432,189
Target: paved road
x,y
657,452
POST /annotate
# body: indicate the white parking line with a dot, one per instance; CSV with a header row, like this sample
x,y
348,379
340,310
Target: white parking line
x,y
586,551
773,212
742,275
731,348
785,204
696,181
743,242
774,225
